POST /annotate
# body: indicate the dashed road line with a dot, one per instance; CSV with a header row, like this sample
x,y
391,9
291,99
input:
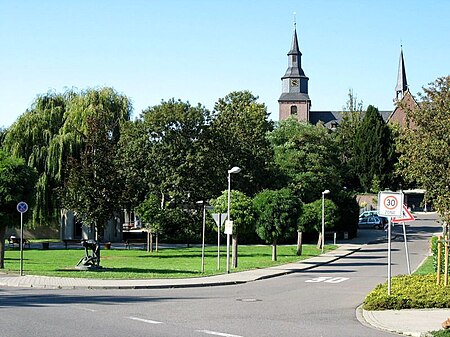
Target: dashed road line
x,y
209,332
144,320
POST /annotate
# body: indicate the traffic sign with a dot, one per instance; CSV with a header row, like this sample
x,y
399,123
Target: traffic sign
x,y
228,227
390,204
22,207
219,218
406,216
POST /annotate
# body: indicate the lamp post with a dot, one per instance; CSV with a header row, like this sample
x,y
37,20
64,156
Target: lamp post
x,y
233,170
323,217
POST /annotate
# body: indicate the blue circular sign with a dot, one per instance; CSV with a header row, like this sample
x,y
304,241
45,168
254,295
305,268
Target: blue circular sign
x,y
22,207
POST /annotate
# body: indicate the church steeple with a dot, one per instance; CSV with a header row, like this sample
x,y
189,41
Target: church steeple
x,y
402,84
294,99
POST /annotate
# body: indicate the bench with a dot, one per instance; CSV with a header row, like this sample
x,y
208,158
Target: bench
x,y
12,240
137,241
71,242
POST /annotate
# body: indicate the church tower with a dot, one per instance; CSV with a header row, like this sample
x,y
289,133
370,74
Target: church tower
x,y
294,100
402,85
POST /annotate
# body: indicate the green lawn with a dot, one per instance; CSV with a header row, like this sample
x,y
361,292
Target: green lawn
x,y
139,264
426,267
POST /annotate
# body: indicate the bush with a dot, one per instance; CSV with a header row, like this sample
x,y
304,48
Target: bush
x,y
409,292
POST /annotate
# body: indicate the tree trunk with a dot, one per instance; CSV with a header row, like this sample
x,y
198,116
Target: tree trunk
x,y
299,243
156,243
234,251
2,246
151,242
319,241
274,250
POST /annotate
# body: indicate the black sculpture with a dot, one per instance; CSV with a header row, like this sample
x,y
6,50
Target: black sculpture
x,y
93,260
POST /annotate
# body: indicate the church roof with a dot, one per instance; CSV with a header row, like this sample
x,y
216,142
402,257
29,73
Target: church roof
x,y
293,96
402,84
328,118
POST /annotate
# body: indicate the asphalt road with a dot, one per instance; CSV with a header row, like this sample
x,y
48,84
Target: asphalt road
x,y
319,302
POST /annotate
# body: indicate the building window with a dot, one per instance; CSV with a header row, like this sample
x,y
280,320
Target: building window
x,y
294,58
293,110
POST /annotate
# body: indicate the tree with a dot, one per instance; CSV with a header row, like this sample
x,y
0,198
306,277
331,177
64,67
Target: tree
x,y
307,156
277,214
176,141
241,212
17,182
54,130
311,218
373,152
32,137
239,130
425,149
345,136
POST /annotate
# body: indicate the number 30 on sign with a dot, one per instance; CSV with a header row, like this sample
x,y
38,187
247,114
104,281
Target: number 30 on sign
x,y
390,203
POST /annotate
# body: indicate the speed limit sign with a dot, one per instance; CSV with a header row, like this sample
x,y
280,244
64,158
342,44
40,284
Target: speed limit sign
x,y
390,203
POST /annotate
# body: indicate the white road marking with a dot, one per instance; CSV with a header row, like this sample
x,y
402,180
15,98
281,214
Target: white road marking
x,y
337,280
218,333
144,320
327,279
85,309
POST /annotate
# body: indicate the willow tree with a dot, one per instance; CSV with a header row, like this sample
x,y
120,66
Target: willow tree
x,y
54,130
31,137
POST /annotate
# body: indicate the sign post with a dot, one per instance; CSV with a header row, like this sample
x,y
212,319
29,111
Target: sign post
x,y
406,216
219,218
390,204
22,207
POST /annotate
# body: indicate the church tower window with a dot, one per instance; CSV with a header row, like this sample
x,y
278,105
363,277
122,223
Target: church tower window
x,y
293,110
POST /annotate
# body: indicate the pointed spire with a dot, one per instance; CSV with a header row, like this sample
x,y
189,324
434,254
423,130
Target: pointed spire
x,y
402,84
295,50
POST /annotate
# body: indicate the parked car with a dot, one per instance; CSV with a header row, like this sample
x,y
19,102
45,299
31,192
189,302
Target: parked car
x,y
367,213
373,220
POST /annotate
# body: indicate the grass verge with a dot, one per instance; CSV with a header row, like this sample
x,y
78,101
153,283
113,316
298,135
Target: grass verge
x,y
139,264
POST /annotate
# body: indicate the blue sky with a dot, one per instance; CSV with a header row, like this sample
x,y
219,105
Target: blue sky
x,y
200,50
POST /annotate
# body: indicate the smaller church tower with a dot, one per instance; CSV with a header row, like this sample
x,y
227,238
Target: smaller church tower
x,y
294,100
402,84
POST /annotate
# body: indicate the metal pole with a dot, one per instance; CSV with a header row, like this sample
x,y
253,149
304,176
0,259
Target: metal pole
x,y
203,238
218,241
21,244
323,220
228,218
389,256
406,249
438,275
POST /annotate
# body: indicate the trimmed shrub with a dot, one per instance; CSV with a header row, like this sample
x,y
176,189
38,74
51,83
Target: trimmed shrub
x,y
409,292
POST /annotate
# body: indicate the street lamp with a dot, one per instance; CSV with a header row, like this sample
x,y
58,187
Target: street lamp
x,y
233,170
323,217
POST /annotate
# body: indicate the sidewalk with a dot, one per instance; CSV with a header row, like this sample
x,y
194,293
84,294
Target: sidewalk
x,y
407,322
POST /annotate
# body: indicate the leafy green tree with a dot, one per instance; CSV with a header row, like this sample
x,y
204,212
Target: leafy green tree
x,y
92,187
239,130
17,182
346,137
307,156
374,151
311,218
241,212
277,213
425,148
176,138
